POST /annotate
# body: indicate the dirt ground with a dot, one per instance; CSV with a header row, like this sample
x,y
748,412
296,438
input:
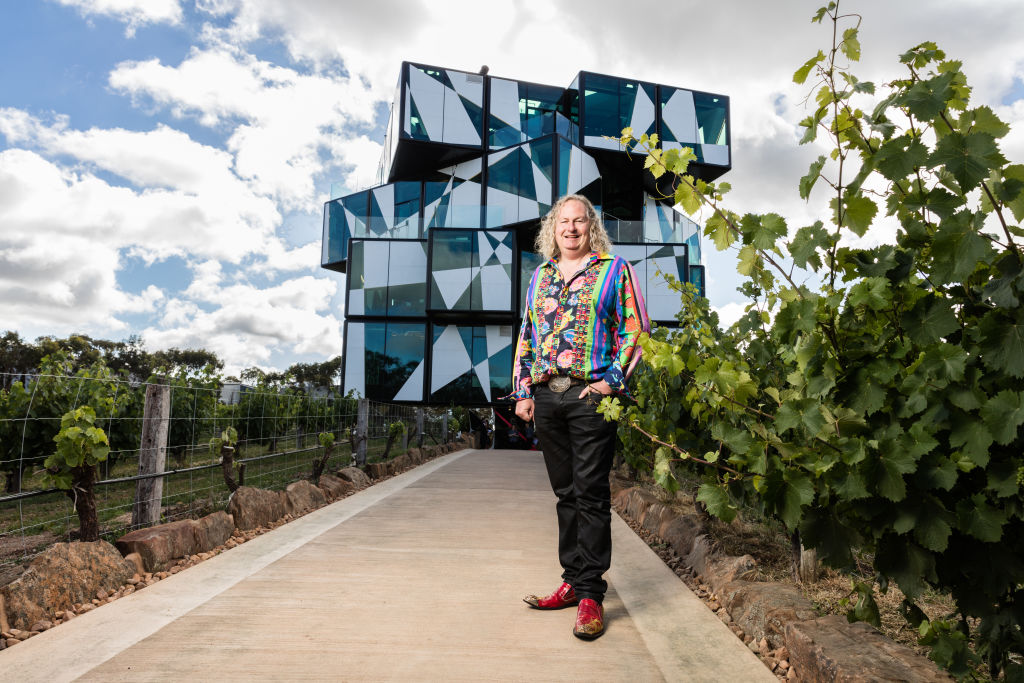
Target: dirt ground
x,y
770,545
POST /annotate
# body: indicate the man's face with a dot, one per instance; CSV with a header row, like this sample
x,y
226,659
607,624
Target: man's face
x,y
572,229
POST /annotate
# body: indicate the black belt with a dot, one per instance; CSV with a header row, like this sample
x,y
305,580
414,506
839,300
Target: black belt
x,y
561,383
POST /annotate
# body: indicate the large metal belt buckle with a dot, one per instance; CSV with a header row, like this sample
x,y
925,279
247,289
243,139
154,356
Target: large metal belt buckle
x,y
559,384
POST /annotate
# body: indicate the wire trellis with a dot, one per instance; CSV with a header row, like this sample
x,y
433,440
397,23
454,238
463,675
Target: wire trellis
x,y
277,441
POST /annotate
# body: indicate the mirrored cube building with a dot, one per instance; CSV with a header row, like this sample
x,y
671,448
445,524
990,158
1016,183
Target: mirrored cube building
x,y
438,255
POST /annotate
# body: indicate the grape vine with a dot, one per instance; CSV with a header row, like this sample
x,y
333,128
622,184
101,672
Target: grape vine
x,y
870,398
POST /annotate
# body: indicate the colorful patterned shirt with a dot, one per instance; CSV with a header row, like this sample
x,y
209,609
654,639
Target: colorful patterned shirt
x,y
586,328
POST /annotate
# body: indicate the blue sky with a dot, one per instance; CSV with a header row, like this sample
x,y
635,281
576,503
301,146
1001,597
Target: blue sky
x,y
163,163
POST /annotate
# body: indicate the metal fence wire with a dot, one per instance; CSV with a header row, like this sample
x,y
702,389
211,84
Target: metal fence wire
x,y
277,440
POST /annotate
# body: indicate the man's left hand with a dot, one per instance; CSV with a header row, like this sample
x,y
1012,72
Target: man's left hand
x,y
599,387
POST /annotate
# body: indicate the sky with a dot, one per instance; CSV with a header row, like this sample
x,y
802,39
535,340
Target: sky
x,y
164,163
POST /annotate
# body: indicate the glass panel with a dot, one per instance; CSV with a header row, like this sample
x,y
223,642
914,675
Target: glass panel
x,y
693,245
472,363
376,359
425,93
678,116
463,108
354,353
407,204
571,104
664,260
712,117
405,351
453,197
375,277
697,274
356,270
602,114
524,111
451,270
407,278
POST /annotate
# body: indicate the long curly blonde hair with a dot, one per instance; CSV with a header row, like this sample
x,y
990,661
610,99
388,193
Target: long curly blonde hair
x,y
598,239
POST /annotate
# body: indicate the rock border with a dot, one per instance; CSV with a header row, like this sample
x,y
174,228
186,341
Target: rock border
x,y
775,620
157,552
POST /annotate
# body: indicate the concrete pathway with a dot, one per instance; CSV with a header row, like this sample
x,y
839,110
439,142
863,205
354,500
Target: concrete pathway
x,y
418,578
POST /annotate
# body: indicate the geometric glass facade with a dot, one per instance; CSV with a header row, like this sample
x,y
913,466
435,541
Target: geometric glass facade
x,y
438,254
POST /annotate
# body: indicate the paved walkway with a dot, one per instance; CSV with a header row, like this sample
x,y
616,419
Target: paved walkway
x,y
417,578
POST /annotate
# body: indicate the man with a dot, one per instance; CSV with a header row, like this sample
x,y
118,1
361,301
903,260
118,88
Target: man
x,y
584,315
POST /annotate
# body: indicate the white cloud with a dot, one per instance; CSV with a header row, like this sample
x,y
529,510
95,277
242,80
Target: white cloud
x,y
729,313
134,13
245,324
191,202
280,119
74,202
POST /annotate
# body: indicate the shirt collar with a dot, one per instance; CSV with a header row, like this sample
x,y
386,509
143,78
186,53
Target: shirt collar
x,y
593,257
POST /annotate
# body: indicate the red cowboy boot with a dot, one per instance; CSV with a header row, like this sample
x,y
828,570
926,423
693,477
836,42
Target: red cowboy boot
x,y
564,596
589,620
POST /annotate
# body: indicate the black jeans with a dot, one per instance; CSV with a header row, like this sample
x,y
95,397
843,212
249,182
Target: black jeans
x,y
578,447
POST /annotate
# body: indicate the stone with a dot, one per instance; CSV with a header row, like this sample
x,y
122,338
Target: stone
x,y
617,483
698,556
620,499
402,462
213,530
377,470
252,508
42,625
60,576
763,610
832,649
680,532
136,559
720,570
161,544
355,476
637,504
335,487
657,513
301,496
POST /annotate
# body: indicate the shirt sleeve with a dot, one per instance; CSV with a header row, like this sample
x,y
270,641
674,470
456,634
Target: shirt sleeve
x,y
632,321
525,351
